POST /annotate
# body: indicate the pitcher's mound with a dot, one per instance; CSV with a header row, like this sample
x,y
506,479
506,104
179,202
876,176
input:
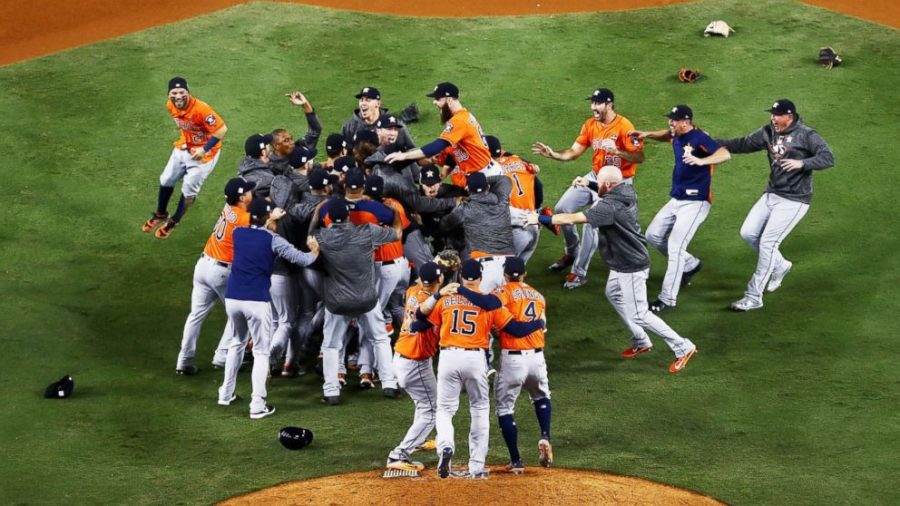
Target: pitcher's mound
x,y
555,486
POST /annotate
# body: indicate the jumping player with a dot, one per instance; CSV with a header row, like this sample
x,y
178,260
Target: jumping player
x,y
606,132
193,158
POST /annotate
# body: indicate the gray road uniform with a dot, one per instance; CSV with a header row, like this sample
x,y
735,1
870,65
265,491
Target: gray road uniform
x,y
786,199
350,292
624,249
355,123
256,171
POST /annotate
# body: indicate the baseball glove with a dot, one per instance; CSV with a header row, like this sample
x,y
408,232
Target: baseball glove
x,y
449,260
828,58
687,75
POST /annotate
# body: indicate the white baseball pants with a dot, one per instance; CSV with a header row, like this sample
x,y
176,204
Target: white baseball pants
x,y
417,378
671,232
371,328
284,313
391,276
210,282
460,369
525,240
491,272
249,318
182,166
520,368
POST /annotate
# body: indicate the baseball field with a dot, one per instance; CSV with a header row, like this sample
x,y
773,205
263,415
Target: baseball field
x,y
795,403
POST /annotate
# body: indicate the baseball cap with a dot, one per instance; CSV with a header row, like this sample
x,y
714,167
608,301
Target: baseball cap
x,y
374,186
476,182
260,208
470,270
444,90
337,210
602,95
388,121
300,156
365,135
236,187
295,438
514,266
256,144
60,389
355,179
429,272
494,145
430,175
680,111
344,164
783,106
178,82
369,92
319,178
334,144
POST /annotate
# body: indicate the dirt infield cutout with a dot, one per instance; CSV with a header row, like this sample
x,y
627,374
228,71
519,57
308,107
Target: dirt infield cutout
x,y
537,486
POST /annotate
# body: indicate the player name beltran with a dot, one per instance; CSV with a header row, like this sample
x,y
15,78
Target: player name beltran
x,y
454,300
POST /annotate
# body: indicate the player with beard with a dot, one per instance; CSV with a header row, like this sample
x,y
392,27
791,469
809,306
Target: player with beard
x,y
462,134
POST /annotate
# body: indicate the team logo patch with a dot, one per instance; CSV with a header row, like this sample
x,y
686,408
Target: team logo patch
x,y
449,127
210,120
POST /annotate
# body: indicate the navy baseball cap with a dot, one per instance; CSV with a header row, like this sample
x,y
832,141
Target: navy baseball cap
x,y
602,95
256,144
680,112
365,135
344,164
178,82
783,106
514,266
236,187
429,272
444,90
369,92
319,178
374,186
337,210
430,175
494,145
355,180
476,182
300,156
60,389
261,208
470,270
334,144
388,121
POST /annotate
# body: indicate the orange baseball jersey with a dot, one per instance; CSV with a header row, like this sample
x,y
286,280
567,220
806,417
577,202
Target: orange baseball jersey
x,y
467,140
464,324
197,122
393,250
220,244
521,174
525,304
409,344
593,133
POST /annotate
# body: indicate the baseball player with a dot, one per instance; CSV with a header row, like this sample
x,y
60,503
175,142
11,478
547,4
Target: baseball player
x,y
366,117
193,159
673,227
247,300
624,250
795,151
464,333
283,142
255,167
462,137
211,275
606,132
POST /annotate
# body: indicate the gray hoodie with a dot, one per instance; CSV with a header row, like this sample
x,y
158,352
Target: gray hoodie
x,y
485,219
356,123
621,243
257,171
797,142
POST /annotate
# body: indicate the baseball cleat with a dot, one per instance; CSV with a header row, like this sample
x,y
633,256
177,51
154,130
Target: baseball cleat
x,y
331,400
546,211
289,371
186,370
365,381
746,304
682,361
228,401
404,465
154,221
635,351
165,230
563,262
342,379
516,467
444,463
218,365
686,276
391,393
574,281
659,306
479,475
427,445
266,411
491,371
546,450
778,277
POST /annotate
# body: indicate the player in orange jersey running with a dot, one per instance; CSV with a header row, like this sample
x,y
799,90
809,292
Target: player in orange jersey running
x,y
193,158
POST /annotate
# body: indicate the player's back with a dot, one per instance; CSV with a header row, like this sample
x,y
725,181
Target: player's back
x,y
525,304
220,244
415,346
465,325
522,176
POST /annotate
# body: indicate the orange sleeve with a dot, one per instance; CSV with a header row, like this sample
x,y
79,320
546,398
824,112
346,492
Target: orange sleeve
x,y
435,316
500,317
584,137
205,115
626,143
455,129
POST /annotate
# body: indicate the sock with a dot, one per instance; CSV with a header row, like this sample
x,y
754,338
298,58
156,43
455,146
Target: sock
x,y
179,212
165,193
542,410
511,436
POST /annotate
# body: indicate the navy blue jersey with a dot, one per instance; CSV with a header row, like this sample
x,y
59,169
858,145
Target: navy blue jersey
x,y
254,256
692,182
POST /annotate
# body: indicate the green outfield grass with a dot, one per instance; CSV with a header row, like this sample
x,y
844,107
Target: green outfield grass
x,y
792,404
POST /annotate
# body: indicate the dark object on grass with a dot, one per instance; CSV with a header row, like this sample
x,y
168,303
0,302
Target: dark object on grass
x,y
828,58
295,438
60,389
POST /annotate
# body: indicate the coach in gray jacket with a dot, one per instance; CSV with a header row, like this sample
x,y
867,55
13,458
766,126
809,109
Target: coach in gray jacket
x,y
795,151
350,292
